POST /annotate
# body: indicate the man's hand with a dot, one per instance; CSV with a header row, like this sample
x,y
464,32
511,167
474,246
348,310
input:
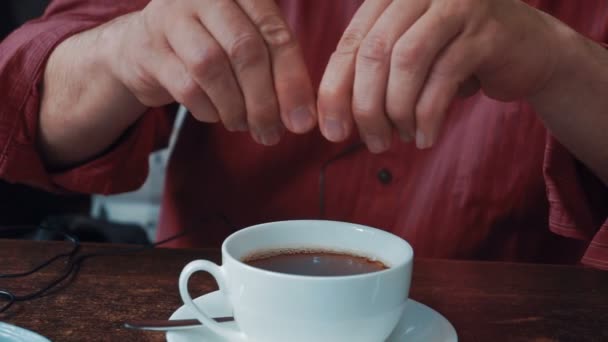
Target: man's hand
x,y
400,64
234,61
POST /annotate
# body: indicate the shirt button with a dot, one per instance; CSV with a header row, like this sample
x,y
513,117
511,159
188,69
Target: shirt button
x,y
385,177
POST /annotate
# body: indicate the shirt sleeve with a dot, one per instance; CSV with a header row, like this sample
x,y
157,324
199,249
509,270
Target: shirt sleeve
x,y
578,202
23,56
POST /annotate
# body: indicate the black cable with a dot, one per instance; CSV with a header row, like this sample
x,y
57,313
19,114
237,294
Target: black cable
x,y
75,247
74,261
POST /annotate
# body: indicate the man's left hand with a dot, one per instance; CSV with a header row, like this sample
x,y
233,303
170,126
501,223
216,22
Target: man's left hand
x,y
400,64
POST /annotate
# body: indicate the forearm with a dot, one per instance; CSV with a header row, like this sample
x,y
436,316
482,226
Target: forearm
x,y
84,108
574,103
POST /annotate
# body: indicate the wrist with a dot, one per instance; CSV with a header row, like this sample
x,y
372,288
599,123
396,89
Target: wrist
x,y
112,52
570,49
112,47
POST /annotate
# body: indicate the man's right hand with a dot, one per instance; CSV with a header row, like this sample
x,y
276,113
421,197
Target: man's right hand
x,y
234,61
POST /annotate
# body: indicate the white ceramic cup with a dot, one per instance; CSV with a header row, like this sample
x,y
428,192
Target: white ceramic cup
x,y
270,306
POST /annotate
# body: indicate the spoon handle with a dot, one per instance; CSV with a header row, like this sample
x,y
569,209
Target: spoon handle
x,y
168,325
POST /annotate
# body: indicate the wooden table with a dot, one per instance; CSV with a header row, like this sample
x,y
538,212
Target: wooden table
x,y
485,301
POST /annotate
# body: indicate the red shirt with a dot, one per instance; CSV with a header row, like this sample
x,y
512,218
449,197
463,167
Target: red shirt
x,y
495,187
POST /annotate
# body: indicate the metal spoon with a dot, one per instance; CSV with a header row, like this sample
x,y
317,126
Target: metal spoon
x,y
169,325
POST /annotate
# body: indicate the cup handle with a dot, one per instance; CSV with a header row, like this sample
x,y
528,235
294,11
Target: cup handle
x,y
220,276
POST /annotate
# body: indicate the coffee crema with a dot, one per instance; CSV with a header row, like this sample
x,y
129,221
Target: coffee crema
x,y
313,262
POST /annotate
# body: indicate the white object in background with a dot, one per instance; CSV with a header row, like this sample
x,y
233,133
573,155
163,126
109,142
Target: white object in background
x,y
142,206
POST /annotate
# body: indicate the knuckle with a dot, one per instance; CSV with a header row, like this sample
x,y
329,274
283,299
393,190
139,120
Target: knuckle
x,y
449,12
374,49
145,19
140,77
206,63
401,118
460,9
362,112
186,90
406,57
331,99
445,70
350,41
246,50
330,91
274,30
488,37
155,9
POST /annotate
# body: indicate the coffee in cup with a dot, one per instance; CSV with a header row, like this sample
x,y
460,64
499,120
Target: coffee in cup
x,y
313,262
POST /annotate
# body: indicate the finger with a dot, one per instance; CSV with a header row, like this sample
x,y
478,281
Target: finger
x,y
292,82
250,63
411,60
453,68
174,77
372,73
336,89
208,65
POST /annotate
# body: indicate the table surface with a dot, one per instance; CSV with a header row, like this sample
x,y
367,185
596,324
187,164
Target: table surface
x,y
484,301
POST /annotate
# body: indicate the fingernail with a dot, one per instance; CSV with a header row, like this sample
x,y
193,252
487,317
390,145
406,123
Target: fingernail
x,y
375,144
270,137
422,141
333,129
301,119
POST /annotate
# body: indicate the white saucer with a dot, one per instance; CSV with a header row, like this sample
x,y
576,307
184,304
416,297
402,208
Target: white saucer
x,y
12,333
419,323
